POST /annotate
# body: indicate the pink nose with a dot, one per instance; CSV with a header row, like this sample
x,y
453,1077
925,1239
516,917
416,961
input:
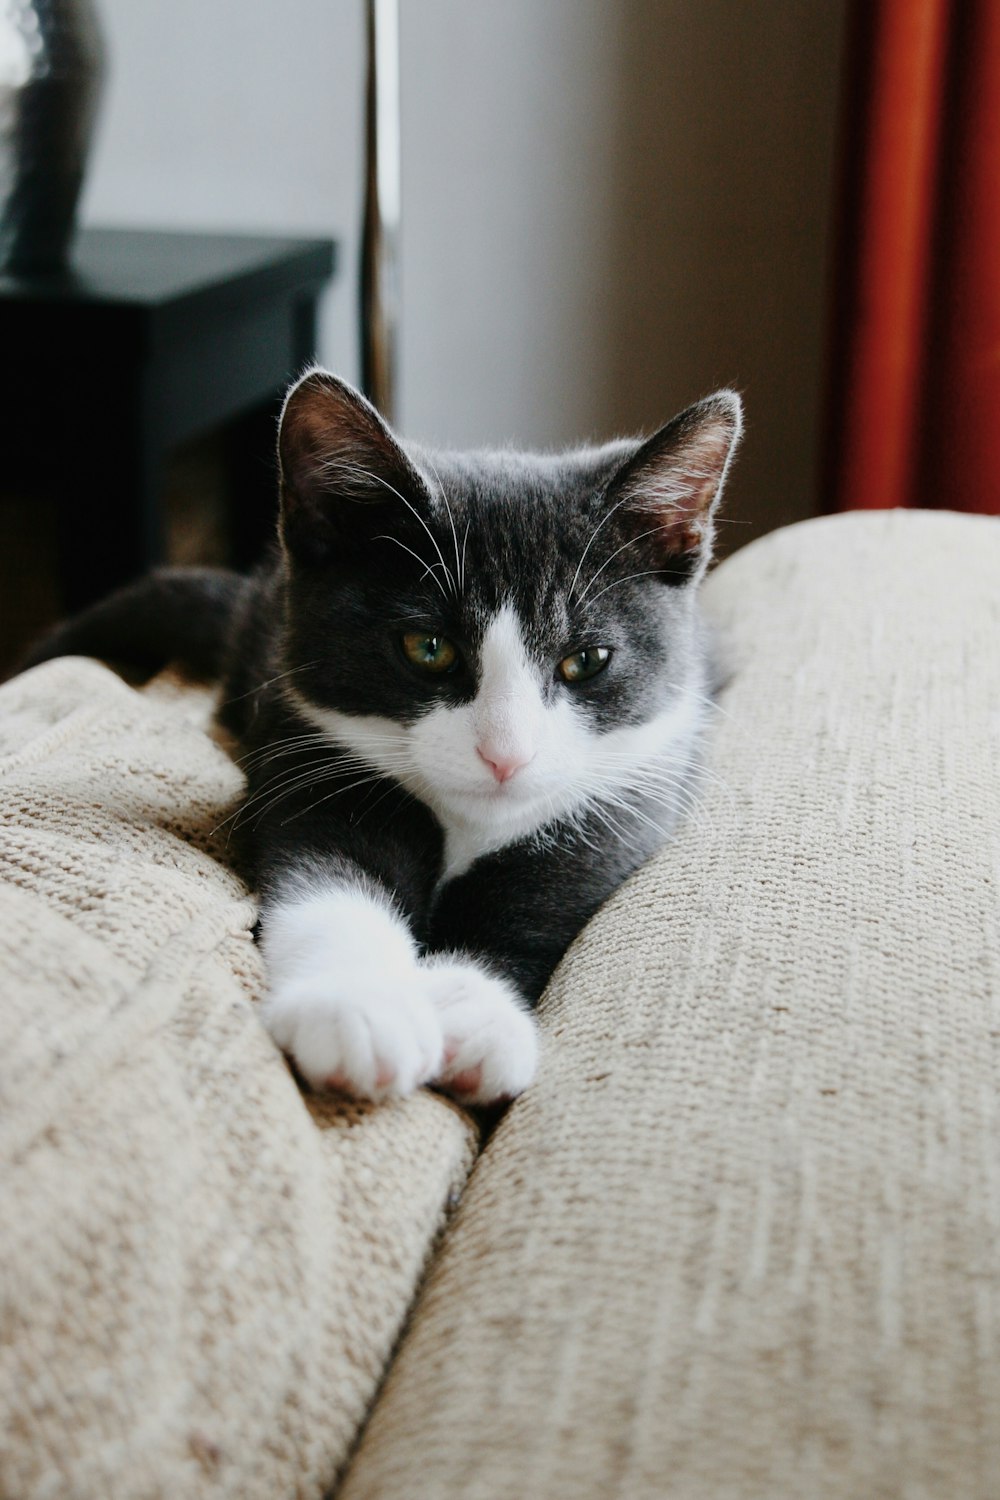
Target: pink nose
x,y
503,766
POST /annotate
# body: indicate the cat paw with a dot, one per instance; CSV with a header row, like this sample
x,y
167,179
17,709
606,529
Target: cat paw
x,y
490,1040
375,1040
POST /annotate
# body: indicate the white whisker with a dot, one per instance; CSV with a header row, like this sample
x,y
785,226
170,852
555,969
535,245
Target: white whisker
x,y
608,560
281,747
460,580
377,479
590,541
427,567
337,792
465,543
305,667
647,573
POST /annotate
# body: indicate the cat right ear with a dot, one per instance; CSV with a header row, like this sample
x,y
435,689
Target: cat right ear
x,y
672,484
336,455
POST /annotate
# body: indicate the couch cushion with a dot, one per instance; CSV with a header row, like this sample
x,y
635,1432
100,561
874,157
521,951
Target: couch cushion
x,y
742,1239
203,1273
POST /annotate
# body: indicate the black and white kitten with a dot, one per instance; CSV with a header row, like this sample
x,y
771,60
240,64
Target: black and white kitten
x,y
472,689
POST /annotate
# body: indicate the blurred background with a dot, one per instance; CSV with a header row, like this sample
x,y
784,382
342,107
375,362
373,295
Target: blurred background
x,y
609,208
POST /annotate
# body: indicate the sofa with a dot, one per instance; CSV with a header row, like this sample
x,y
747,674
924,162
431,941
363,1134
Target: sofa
x,y
740,1240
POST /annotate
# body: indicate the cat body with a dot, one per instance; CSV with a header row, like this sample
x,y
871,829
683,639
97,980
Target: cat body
x,y
470,691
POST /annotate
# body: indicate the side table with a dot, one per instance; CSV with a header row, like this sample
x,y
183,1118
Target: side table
x,y
146,340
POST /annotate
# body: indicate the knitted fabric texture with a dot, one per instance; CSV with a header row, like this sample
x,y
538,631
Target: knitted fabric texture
x,y
742,1238
203,1274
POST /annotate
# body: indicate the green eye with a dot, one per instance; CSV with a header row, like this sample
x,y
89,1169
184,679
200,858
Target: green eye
x,y
432,653
584,664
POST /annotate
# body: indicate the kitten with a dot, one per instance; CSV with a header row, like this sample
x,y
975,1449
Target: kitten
x,y
472,688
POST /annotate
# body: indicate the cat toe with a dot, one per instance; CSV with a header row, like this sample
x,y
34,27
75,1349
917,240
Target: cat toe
x,y
469,1082
370,1042
490,1041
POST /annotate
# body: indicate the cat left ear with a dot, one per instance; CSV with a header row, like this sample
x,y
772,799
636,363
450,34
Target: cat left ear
x,y
338,459
674,482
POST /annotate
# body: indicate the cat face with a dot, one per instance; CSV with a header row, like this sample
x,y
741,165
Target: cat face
x,y
509,636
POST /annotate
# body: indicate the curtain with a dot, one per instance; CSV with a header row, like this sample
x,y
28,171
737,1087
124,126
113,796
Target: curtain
x,y
914,385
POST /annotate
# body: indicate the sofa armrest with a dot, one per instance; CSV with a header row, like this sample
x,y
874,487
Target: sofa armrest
x,y
742,1238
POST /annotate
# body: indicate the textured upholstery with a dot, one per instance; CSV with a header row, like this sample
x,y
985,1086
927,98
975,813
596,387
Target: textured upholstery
x,y
742,1239
202,1274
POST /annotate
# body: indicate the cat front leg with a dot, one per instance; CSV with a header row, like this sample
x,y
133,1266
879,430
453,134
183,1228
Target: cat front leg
x,y
348,1001
513,914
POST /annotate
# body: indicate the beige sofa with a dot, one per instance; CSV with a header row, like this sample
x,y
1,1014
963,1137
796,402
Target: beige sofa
x,y
741,1241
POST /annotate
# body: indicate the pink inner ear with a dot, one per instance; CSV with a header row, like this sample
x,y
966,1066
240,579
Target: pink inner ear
x,y
330,436
679,486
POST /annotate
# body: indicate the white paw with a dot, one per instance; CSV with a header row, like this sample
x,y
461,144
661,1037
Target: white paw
x,y
490,1041
374,1037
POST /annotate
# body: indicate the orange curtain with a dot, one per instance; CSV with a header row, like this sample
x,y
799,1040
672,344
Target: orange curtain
x,y
914,401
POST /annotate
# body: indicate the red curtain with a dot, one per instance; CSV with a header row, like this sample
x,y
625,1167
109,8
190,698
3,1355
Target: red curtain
x,y
914,401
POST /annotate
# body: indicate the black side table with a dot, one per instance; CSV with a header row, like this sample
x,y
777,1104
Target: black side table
x,y
149,339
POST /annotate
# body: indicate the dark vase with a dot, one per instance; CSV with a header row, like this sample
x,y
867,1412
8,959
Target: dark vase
x,y
51,71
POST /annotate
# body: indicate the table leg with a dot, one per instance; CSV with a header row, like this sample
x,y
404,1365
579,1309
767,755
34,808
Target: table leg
x,y
110,500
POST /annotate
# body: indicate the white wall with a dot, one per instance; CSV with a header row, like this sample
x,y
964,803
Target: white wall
x,y
240,115
610,206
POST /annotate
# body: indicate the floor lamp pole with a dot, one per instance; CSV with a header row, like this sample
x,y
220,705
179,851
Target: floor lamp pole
x,y
380,237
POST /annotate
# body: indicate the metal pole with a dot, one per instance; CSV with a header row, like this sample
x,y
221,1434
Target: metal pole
x,y
380,238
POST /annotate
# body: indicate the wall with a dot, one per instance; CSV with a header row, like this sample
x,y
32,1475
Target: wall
x,y
610,206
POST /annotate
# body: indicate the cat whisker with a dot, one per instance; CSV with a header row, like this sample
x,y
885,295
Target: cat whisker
x,y
346,764
590,542
702,777
663,763
282,747
427,567
465,543
279,785
685,774
674,793
677,773
674,809
268,787
647,573
303,744
337,792
393,786
301,770
607,562
281,793
678,778
377,478
706,700
459,574
607,798
305,667
272,791
602,812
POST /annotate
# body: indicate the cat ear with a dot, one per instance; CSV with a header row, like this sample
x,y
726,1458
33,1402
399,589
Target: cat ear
x,y
671,486
336,454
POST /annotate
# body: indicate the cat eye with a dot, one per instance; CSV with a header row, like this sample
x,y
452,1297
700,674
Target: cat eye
x,y
581,665
431,653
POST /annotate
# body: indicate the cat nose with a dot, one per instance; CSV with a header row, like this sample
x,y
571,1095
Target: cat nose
x,y
503,766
